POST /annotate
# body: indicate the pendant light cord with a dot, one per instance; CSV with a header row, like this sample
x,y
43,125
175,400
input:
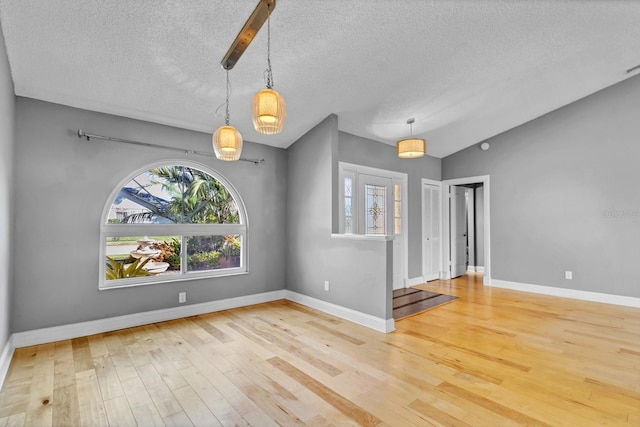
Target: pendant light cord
x,y
226,115
269,74
410,122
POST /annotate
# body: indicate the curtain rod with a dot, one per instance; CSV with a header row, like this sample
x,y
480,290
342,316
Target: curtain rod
x,y
88,136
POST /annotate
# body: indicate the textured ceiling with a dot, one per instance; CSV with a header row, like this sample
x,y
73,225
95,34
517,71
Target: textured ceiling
x,y
466,70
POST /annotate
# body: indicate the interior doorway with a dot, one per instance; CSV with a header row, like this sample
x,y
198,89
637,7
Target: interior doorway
x,y
457,231
475,227
452,238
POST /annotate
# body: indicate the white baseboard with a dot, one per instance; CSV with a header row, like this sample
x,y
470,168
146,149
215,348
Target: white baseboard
x,y
5,359
414,281
75,330
567,293
375,323
475,268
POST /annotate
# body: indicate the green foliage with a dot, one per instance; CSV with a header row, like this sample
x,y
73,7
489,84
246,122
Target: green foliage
x,y
174,262
231,246
175,259
126,258
196,197
204,261
117,269
176,244
204,243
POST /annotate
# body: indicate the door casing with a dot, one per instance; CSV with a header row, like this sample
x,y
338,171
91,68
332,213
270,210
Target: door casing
x,y
458,231
446,244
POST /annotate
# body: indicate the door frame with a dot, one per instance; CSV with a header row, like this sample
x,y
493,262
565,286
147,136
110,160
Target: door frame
x,y
471,227
446,244
458,232
423,182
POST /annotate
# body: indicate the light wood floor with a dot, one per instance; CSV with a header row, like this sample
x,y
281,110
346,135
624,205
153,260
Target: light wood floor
x,y
491,358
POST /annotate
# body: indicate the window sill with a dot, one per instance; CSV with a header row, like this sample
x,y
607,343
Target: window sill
x,y
105,286
369,237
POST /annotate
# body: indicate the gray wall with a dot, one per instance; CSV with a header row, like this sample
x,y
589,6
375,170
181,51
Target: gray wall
x,y
357,270
61,187
7,112
564,194
362,151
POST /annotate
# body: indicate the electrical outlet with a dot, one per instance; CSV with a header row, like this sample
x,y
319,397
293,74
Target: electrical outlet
x,y
568,275
182,297
326,285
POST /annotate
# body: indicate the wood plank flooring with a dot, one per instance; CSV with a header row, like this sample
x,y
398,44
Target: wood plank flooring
x,y
411,301
493,358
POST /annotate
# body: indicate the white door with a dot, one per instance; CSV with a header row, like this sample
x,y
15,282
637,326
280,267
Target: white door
x,y
376,198
458,232
430,231
379,200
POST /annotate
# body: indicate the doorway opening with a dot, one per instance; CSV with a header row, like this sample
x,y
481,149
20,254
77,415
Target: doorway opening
x,y
473,227
464,245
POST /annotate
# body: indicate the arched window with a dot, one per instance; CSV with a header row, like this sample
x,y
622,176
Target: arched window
x,y
172,221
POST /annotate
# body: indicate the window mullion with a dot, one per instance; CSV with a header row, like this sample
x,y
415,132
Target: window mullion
x,y
183,255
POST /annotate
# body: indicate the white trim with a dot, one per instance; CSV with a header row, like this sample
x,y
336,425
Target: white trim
x,y
485,180
473,269
75,330
368,170
370,237
414,281
372,322
567,293
470,207
5,359
486,280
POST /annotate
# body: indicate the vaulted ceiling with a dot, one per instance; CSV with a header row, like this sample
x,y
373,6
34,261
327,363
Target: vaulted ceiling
x,y
466,70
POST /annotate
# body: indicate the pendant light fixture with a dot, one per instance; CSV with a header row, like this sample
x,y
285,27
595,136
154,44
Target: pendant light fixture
x,y
411,147
227,141
268,108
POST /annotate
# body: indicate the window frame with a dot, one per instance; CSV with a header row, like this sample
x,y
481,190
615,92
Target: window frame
x,y
120,230
354,171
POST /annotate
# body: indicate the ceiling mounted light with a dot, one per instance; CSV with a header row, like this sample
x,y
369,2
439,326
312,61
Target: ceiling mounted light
x,y
226,140
411,147
268,108
248,32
